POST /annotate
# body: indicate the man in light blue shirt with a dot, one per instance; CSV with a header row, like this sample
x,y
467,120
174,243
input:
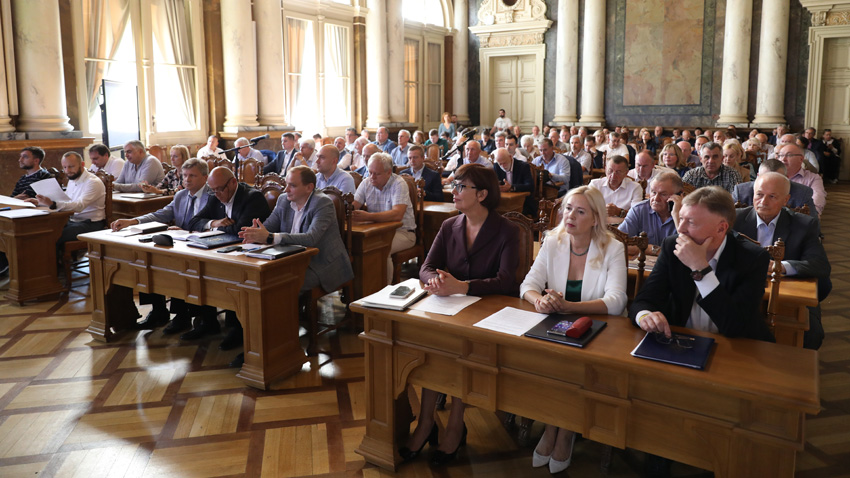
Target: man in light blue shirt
x,y
382,139
328,174
399,154
653,215
139,167
555,163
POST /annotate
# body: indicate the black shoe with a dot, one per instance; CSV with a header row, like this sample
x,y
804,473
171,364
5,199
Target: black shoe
x,y
203,327
156,318
238,361
232,340
178,324
440,458
433,439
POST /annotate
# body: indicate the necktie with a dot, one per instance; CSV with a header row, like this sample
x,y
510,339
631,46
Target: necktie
x,y
190,211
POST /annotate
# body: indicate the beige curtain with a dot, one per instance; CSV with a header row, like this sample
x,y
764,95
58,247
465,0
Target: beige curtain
x,y
296,36
174,37
105,21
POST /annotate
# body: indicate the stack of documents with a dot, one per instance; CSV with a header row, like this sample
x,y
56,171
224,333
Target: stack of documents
x,y
146,228
382,299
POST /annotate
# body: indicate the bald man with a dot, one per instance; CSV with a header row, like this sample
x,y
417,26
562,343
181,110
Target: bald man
x,y
768,221
234,206
382,139
211,149
791,156
327,172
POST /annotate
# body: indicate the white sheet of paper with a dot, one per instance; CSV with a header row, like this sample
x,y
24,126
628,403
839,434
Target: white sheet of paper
x,y
10,201
445,305
511,321
50,188
23,213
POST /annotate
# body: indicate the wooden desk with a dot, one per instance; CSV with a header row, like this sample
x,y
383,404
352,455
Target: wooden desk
x,y
371,244
795,295
128,208
264,294
743,416
510,201
30,247
435,214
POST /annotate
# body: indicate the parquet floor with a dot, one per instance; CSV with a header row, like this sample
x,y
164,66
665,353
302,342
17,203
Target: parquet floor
x,y
149,405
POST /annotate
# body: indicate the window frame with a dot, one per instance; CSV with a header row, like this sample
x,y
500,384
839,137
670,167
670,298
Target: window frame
x,y
427,34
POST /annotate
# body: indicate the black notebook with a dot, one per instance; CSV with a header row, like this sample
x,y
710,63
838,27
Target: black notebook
x,y
276,252
211,242
681,349
540,331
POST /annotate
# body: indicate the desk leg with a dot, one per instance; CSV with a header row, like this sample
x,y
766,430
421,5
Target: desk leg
x,y
113,306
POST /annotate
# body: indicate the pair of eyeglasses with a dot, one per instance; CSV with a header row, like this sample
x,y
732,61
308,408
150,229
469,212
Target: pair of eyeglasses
x,y
460,187
221,189
679,341
783,156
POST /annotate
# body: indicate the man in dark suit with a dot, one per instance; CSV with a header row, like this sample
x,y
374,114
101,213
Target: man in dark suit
x,y
417,169
706,257
234,206
768,221
801,195
285,157
515,175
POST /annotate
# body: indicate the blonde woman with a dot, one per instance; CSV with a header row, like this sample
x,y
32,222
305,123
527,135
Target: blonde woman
x,y
733,156
673,157
173,180
580,270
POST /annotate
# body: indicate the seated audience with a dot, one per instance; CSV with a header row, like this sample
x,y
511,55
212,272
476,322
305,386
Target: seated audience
x,y
210,149
344,155
186,203
358,158
538,137
712,172
101,158
768,221
512,145
810,158
559,168
673,157
447,126
618,192
327,172
417,169
654,215
139,168
87,198
387,199
528,147
474,253
306,155
791,156
30,161
555,139
350,136
579,270
472,155
419,137
578,152
707,277
800,194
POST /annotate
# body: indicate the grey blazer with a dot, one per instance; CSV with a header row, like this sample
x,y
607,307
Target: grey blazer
x,y
318,229
176,210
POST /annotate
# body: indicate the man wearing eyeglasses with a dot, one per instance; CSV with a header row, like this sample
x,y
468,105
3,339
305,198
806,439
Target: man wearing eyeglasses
x,y
654,215
707,276
791,156
387,199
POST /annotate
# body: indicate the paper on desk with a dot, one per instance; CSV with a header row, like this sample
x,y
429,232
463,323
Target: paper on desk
x,y
23,213
445,305
511,321
51,189
10,201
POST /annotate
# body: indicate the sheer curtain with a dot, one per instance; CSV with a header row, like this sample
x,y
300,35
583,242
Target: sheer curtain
x,y
105,22
336,75
174,38
301,70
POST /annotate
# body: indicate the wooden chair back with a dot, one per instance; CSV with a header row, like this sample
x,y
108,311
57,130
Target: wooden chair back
x,y
687,188
343,206
107,180
526,242
159,152
548,214
643,184
804,209
272,186
358,178
416,189
777,253
60,177
249,170
640,241
166,168
214,162
432,153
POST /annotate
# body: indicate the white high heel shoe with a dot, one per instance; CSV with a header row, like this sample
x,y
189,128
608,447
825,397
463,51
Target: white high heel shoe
x,y
556,466
538,460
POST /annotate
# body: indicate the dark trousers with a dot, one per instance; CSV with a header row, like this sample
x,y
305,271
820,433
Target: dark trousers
x,y
74,228
813,338
178,306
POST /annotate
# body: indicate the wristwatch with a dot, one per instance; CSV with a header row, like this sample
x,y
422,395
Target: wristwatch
x,y
270,239
698,275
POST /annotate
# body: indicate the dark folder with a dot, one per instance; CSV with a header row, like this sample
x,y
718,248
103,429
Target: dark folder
x,y
276,252
539,331
695,356
211,242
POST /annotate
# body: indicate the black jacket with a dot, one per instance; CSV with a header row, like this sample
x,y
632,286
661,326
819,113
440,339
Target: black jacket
x,y
248,205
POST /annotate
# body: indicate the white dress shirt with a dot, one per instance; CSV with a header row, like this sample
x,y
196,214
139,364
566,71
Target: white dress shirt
x,y
88,198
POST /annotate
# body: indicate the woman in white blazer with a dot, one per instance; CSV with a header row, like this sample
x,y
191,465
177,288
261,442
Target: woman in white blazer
x,y
581,269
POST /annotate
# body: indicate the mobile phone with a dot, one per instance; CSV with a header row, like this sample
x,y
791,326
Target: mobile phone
x,y
560,328
401,292
148,238
227,249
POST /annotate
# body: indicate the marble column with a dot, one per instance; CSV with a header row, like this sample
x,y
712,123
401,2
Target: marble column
x,y
566,68
395,60
593,65
773,58
377,76
460,62
736,63
5,120
270,89
240,65
38,61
